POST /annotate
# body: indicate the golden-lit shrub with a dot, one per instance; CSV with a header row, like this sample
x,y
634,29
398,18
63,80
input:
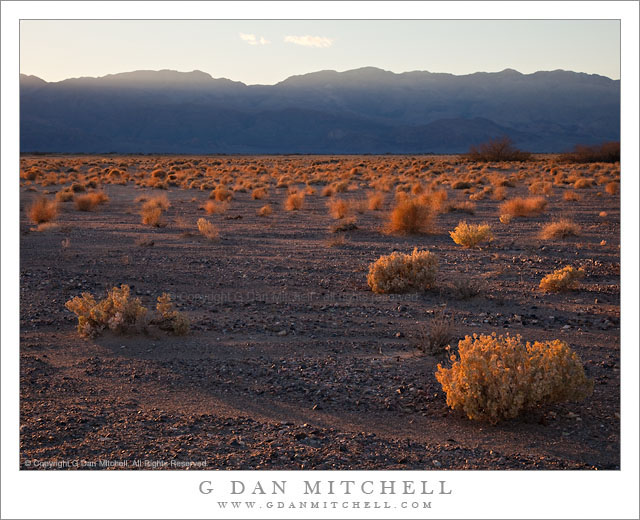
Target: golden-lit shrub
x,y
499,193
265,210
169,319
612,188
570,196
583,183
152,210
410,216
603,214
208,229
65,195
562,228
498,377
259,193
213,207
399,273
294,202
565,279
506,219
470,235
117,312
465,206
221,194
328,191
338,208
461,185
375,200
89,201
540,187
521,207
42,210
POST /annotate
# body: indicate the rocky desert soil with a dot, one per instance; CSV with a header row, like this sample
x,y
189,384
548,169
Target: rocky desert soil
x,y
292,361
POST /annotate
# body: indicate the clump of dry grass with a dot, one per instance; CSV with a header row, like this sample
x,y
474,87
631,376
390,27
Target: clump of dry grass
x,y
399,273
570,196
583,183
294,202
265,210
434,339
465,206
540,187
259,193
89,201
213,207
410,216
65,195
612,188
565,279
169,319
375,200
347,224
562,228
208,229
221,194
42,210
521,207
470,235
338,208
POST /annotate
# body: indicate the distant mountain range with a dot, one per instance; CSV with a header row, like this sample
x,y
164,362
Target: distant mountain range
x,y
366,110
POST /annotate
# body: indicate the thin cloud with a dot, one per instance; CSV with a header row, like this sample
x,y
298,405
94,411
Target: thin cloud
x,y
310,41
252,39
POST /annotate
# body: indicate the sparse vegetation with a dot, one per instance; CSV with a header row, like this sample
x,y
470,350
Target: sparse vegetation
x,y
208,229
521,207
294,202
399,272
471,235
501,149
560,229
603,153
494,378
42,210
436,336
410,216
565,279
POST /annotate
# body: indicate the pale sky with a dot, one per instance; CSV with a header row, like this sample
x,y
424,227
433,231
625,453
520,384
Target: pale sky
x,y
268,51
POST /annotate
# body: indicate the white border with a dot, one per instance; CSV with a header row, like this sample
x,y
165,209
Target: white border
x,y
539,494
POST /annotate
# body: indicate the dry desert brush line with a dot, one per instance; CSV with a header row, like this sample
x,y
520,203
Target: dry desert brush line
x,y
499,377
410,216
523,207
560,229
470,235
400,273
42,210
565,279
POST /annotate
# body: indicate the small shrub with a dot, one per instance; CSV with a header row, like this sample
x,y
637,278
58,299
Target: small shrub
x,y
42,210
64,195
294,202
470,235
612,188
461,185
565,279
520,207
89,201
152,210
465,288
541,187
117,312
170,319
560,229
259,193
207,229
399,273
348,224
499,377
583,183
434,339
410,216
212,207
570,196
265,210
505,219
338,208
606,152
221,194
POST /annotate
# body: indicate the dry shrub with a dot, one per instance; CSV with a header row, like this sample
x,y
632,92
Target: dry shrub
x,y
294,202
89,201
152,210
399,273
265,210
170,319
347,224
562,228
410,216
42,210
466,206
499,193
606,152
338,208
337,241
501,149
540,188
117,312
64,195
463,288
521,207
259,193
571,196
603,214
436,336
506,219
208,229
583,183
461,185
612,188
213,207
221,194
498,377
328,191
470,235
565,279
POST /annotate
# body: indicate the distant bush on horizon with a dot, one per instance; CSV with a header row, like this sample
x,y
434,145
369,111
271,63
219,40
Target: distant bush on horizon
x,y
608,152
500,149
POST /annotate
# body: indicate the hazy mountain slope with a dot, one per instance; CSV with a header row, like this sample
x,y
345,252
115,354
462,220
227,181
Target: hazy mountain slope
x,y
360,111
